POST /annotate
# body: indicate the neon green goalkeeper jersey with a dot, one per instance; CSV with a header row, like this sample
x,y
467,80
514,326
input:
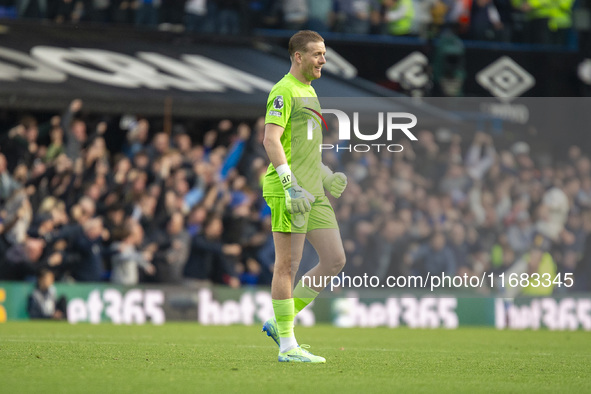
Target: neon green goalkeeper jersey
x,y
294,106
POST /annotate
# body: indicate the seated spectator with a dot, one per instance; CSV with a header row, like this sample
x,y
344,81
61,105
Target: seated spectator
x,y
43,303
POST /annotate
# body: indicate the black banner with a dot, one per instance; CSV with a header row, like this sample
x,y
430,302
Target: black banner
x,y
127,70
490,69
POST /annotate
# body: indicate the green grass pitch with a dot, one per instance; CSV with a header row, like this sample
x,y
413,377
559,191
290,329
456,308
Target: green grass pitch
x,y
49,357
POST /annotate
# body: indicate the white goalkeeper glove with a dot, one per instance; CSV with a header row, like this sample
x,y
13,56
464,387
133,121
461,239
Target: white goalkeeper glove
x,y
335,182
297,199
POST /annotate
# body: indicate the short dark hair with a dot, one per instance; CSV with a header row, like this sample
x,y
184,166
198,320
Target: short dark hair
x,y
121,232
300,40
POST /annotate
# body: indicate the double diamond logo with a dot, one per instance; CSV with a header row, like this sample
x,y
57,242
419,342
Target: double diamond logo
x,y
505,79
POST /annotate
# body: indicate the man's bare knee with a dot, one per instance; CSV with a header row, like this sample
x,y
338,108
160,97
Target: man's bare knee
x,y
338,263
334,264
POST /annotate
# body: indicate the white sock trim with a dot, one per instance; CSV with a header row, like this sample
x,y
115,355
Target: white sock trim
x,y
287,343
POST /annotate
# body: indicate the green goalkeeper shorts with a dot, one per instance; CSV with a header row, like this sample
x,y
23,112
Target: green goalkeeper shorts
x,y
320,216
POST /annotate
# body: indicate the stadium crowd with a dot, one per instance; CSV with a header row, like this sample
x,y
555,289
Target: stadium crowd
x,y
531,21
186,206
163,209
450,206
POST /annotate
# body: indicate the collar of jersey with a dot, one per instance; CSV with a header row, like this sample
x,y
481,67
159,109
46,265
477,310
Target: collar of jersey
x,y
290,75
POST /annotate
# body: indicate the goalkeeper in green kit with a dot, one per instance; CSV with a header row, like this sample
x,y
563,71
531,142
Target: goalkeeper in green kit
x,y
294,189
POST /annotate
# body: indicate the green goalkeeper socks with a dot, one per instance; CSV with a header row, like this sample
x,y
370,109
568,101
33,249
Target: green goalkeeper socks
x,y
284,315
302,296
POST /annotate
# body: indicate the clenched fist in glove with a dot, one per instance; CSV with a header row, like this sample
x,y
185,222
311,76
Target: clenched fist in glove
x,y
335,183
297,199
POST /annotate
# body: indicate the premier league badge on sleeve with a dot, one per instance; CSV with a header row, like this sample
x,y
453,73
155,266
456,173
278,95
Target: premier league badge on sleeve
x,y
278,102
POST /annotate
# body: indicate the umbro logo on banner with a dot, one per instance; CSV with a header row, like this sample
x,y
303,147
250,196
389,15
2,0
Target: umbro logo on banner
x,y
505,79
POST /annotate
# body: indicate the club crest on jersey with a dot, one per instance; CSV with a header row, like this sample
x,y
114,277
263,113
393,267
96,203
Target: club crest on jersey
x,y
278,102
